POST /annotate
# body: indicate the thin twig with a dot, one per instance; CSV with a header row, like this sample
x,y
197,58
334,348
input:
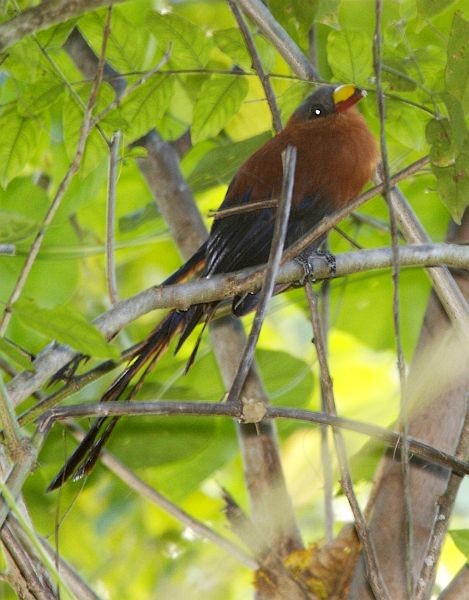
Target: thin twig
x,y
63,186
30,538
375,578
257,64
238,210
110,220
326,459
12,431
403,413
391,439
276,249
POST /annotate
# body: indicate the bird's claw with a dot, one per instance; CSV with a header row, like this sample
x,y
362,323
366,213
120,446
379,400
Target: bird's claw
x,y
306,260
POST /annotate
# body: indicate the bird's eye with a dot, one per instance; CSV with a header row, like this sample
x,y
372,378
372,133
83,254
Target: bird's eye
x,y
316,111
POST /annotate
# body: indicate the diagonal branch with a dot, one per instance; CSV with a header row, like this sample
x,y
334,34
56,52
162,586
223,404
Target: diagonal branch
x,y
421,450
55,356
43,16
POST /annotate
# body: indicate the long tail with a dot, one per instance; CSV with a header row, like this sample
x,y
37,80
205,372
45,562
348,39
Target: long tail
x,y
81,462
83,459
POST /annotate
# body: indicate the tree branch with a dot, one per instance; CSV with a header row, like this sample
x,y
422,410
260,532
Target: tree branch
x,y
43,16
420,449
55,356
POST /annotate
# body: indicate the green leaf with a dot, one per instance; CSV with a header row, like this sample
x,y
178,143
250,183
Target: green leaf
x,y
65,326
190,47
438,134
153,440
55,37
431,8
349,56
15,227
453,183
39,96
457,67
125,51
327,13
146,104
219,99
19,136
288,380
219,164
461,539
230,41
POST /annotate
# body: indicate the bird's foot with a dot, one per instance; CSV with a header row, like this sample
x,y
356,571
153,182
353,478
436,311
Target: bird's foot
x,y
306,260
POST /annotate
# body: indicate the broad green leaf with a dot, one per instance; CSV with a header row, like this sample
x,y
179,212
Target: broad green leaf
x,y
213,443
142,108
431,8
296,16
461,539
55,37
15,227
327,13
438,134
456,119
188,44
230,41
349,56
156,440
453,183
457,68
219,99
219,164
125,50
19,136
288,380
39,96
65,326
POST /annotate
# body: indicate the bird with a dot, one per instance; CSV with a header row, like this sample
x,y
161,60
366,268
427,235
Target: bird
x,y
336,156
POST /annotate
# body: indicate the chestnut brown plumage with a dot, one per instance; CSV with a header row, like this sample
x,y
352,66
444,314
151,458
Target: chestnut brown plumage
x,y
336,156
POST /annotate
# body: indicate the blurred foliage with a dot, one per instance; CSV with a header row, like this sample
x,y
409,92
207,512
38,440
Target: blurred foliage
x,y
207,84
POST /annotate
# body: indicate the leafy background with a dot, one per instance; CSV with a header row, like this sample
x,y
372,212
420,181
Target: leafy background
x,y
208,86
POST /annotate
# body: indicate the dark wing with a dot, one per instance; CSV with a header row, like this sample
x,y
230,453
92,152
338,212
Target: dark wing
x,y
243,240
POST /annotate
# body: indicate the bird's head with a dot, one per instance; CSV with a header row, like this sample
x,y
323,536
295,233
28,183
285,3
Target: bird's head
x,y
328,100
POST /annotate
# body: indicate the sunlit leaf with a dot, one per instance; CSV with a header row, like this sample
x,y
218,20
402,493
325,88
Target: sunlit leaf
x,y
66,326
349,56
457,68
219,99
431,8
461,539
146,104
189,46
453,183
221,163
19,135
15,226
